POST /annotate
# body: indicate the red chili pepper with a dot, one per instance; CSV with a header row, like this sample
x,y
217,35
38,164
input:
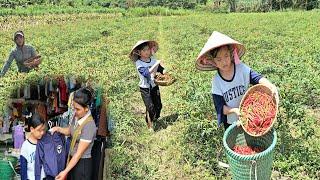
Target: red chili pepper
x,y
258,111
246,150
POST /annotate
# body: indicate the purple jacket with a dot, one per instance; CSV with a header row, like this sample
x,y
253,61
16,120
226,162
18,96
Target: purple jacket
x,y
51,154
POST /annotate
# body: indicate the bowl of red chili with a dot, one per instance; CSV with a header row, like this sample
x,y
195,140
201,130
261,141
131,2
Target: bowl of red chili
x,y
258,109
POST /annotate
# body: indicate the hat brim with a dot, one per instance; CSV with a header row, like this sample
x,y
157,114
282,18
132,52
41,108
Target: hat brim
x,y
208,67
18,34
216,40
204,67
134,54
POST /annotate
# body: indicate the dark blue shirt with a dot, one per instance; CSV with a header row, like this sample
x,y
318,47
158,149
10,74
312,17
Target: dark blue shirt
x,y
51,154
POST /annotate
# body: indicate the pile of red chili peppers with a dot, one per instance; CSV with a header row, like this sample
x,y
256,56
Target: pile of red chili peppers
x,y
258,112
246,150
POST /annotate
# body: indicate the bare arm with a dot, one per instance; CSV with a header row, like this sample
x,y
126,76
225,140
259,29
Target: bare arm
x,y
266,82
82,147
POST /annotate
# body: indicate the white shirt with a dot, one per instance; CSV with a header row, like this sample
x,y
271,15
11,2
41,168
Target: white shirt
x,y
145,82
28,151
233,90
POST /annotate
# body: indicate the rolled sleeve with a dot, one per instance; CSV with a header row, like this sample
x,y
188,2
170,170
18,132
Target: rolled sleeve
x,y
83,140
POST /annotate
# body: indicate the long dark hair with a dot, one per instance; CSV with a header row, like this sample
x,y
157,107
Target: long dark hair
x,y
83,97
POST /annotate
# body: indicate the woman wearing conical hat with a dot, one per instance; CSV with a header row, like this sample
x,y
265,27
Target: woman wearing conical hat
x,y
146,64
223,54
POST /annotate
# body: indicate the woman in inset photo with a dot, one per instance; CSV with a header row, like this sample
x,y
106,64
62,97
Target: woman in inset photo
x,y
25,55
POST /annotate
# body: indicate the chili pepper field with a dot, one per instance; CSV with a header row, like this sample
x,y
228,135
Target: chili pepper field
x,y
186,144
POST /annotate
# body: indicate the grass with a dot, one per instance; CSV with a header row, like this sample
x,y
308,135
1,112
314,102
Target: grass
x,y
40,10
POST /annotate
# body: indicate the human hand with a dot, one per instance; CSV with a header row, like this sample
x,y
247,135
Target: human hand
x,y
30,65
36,61
274,92
238,123
153,47
62,175
54,129
276,95
162,63
236,111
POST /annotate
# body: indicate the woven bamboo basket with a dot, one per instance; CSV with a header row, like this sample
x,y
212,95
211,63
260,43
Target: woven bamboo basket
x,y
164,80
249,167
33,62
264,89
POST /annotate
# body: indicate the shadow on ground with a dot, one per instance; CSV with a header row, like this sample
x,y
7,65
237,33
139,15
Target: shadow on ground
x,y
166,121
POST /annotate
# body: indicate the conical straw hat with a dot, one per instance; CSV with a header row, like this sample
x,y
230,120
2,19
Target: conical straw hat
x,y
217,39
134,54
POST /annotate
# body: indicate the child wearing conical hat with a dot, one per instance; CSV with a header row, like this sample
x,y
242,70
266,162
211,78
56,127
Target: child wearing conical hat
x,y
147,65
229,85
